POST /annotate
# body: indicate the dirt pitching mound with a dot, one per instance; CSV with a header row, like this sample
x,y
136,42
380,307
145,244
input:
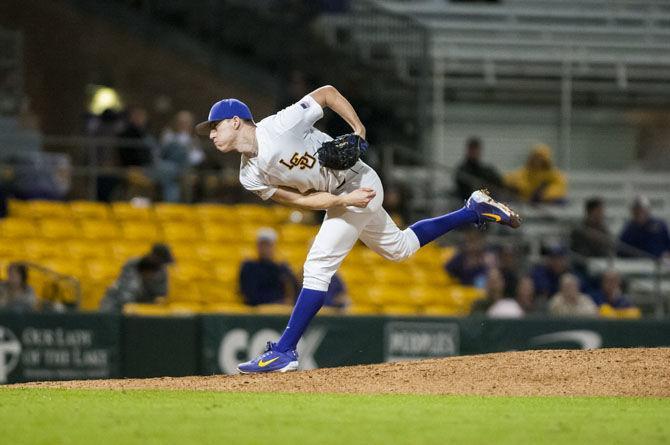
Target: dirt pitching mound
x,y
601,372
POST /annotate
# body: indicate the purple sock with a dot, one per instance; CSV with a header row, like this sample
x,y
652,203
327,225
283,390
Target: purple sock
x,y
429,229
308,304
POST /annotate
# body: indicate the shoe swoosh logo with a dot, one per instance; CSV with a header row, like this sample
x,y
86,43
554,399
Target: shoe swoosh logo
x,y
262,364
342,183
495,217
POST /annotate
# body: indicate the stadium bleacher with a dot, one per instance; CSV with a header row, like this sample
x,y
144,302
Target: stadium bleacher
x,y
90,242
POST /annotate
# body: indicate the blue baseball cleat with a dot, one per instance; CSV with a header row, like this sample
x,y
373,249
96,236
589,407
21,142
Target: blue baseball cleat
x,y
490,210
271,361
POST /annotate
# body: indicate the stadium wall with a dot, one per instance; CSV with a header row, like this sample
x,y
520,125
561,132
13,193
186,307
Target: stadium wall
x,y
35,347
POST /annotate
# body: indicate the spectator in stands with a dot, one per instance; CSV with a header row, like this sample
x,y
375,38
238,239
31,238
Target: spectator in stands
x,y
467,266
16,295
141,147
525,296
506,307
473,174
138,152
134,285
592,238
539,181
570,302
107,125
495,291
180,149
644,233
611,292
264,280
546,276
508,263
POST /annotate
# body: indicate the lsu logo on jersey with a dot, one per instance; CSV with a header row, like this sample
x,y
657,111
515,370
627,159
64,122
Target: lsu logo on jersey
x,y
304,161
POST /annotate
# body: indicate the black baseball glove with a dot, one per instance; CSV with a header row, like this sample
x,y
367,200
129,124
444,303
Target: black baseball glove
x,y
342,152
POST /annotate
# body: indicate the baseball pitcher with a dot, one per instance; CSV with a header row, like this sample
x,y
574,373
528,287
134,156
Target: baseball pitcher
x,y
286,159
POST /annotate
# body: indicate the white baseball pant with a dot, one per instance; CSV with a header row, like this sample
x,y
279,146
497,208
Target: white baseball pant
x,y
343,226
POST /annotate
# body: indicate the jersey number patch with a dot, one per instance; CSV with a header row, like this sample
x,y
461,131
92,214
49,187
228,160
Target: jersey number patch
x,y
304,161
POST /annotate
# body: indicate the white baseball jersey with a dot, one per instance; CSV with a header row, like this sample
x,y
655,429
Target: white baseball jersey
x,y
287,145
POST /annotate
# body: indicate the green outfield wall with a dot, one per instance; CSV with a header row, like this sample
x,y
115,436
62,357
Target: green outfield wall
x,y
85,346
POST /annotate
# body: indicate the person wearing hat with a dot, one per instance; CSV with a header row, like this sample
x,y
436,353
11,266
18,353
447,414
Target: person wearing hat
x,y
539,181
547,275
141,280
644,234
280,159
264,280
137,283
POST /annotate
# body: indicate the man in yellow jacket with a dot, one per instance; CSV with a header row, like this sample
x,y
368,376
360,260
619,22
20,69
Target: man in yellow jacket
x,y
539,180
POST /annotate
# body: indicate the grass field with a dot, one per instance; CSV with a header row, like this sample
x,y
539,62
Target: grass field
x,y
56,416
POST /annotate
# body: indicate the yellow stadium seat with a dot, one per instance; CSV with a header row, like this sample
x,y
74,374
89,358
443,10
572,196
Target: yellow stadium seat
x,y
37,248
226,272
59,229
183,291
429,256
462,297
393,274
71,267
102,269
362,309
125,211
607,311
185,252
185,307
190,271
99,229
447,253
124,250
167,211
17,228
219,232
217,292
215,213
141,230
11,248
297,233
384,294
90,210
363,256
147,310
361,295
282,214
355,276
92,292
84,249
17,208
49,209
442,311
399,309
228,308
255,214
295,257
181,231
215,252
274,309
427,295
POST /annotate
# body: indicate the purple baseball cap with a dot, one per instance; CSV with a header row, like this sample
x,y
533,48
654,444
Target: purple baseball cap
x,y
224,109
